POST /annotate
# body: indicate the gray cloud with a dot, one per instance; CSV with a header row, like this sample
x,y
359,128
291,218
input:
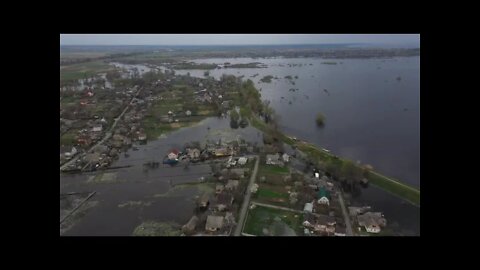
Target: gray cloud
x,y
236,39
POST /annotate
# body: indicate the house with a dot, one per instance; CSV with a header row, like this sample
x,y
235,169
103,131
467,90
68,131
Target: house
x,y
142,136
190,226
214,223
285,157
204,201
84,141
308,207
254,188
221,151
231,162
311,220
320,224
323,196
193,153
232,184
71,153
372,221
98,128
219,189
173,154
242,160
224,201
274,160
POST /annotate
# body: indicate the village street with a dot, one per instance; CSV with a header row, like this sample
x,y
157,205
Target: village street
x,y
108,134
345,215
246,200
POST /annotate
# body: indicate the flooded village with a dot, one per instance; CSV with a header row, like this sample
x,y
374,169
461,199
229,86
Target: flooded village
x,y
150,150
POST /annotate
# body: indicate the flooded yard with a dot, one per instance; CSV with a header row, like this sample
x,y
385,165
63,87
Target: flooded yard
x,y
128,197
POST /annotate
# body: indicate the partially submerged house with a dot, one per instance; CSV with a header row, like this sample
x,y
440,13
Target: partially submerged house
x,y
372,221
214,223
173,154
193,153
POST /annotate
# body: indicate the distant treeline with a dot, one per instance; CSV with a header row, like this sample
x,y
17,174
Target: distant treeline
x,y
72,61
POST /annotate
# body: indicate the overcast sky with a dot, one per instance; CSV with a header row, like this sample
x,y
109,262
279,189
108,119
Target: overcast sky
x,y
236,39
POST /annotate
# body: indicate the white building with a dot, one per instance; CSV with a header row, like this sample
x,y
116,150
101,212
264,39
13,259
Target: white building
x,y
242,160
323,200
308,207
97,129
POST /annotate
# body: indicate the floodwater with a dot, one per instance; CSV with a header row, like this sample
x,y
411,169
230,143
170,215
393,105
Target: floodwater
x,y
371,116
138,184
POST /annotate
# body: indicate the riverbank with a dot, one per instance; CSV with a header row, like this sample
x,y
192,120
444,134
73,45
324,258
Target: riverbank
x,y
395,187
